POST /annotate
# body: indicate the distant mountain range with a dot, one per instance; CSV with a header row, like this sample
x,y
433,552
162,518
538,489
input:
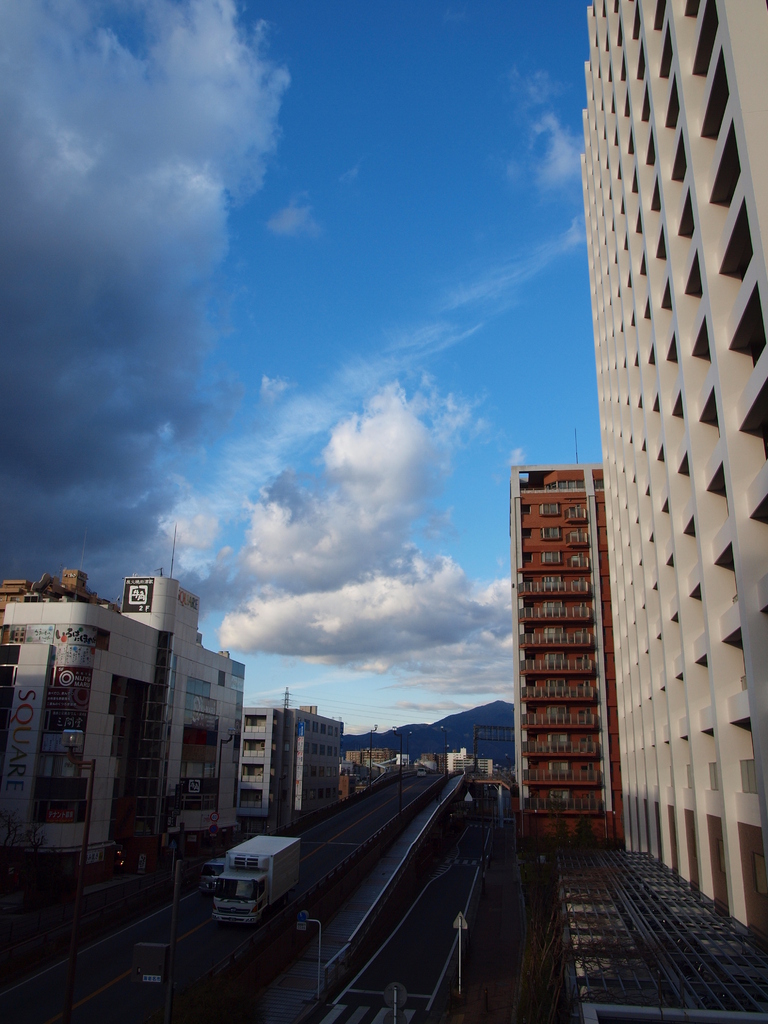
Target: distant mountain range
x,y
429,738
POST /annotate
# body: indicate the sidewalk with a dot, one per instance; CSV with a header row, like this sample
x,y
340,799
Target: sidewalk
x,y
491,973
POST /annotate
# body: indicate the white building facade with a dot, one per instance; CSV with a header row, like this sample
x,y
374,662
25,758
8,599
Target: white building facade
x,y
289,765
159,712
676,201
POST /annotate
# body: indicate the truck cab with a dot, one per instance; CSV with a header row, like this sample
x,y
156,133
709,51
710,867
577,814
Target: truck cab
x,y
239,898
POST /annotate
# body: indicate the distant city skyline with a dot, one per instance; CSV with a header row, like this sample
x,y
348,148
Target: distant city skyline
x,y
292,280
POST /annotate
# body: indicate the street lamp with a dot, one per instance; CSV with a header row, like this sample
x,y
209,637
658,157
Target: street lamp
x,y
400,801
408,747
370,756
73,740
444,731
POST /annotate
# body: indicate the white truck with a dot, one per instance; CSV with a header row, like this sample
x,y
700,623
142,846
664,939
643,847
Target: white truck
x,y
257,874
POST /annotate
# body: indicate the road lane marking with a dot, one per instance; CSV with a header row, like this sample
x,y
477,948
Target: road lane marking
x,y
125,974
359,1013
337,1011
453,945
98,992
93,945
327,842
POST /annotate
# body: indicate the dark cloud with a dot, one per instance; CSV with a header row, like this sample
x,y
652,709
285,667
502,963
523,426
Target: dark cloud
x,y
117,166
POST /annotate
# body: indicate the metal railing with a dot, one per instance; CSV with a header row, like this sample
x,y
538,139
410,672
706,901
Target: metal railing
x,y
559,692
580,719
581,637
579,747
558,587
562,611
533,803
544,775
561,665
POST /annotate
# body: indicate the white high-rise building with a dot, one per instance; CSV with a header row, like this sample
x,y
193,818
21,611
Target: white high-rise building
x,y
676,198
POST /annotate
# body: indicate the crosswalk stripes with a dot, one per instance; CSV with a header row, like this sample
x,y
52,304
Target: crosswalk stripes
x,y
360,1015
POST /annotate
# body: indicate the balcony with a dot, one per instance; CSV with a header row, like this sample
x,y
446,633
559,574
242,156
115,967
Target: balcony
x,y
575,804
559,665
580,778
579,719
576,512
582,638
560,692
575,611
580,748
577,537
554,587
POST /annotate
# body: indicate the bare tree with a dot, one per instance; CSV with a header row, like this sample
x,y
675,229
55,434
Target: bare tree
x,y
11,828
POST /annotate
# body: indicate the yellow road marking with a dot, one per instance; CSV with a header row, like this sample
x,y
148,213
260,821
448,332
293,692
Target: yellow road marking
x,y
121,977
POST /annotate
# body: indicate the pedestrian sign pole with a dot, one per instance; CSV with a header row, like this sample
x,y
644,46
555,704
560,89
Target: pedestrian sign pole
x,y
461,924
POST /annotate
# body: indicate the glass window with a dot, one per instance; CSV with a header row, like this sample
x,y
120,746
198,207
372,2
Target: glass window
x,y
748,776
713,779
550,532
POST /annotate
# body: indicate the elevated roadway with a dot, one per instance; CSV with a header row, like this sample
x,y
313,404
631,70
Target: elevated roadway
x,y
103,990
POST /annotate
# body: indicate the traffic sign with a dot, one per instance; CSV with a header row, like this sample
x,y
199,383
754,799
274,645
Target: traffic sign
x,y
214,816
460,922
301,926
213,829
395,987
303,915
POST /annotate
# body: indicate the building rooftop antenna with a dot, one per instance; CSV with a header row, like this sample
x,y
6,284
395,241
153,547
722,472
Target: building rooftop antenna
x,y
173,554
576,443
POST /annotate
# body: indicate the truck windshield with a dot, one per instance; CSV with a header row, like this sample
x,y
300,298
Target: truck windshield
x,y
239,889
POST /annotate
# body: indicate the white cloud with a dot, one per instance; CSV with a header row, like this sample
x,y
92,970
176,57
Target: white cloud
x,y
272,387
561,161
351,175
336,577
517,457
293,220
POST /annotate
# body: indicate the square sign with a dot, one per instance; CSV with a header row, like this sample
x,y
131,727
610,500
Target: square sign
x,y
137,595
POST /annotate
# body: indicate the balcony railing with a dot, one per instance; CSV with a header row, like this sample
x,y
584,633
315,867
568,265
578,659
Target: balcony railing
x,y
562,665
581,718
556,587
544,775
581,637
576,512
577,537
580,747
574,611
533,803
559,692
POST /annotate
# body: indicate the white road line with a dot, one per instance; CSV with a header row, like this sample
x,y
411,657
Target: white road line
x,y
358,1015
453,945
84,949
336,1012
376,992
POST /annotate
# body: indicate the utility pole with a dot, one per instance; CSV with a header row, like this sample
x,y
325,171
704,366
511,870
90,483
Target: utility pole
x,y
172,950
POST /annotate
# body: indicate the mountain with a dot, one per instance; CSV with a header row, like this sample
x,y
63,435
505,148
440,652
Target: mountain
x,y
429,738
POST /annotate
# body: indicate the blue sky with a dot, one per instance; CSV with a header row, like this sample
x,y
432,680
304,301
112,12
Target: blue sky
x,y
302,280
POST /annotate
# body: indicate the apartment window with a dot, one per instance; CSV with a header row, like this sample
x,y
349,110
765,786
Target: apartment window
x,y
322,749
258,722
689,771
322,727
314,748
553,582
576,512
551,509
558,766
579,561
253,747
557,661
758,867
577,537
721,855
553,608
250,798
222,677
558,738
550,532
748,776
314,727
551,557
714,782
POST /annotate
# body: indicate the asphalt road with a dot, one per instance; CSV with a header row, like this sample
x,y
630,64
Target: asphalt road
x,y
103,991
418,951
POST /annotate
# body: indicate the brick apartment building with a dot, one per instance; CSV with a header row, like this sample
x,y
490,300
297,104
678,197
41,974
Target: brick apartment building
x,y
566,734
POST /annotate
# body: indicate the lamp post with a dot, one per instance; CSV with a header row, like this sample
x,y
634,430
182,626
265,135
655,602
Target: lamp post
x,y
408,746
400,781
370,756
444,731
74,739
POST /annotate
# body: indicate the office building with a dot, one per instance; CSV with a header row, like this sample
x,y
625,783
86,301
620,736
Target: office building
x,y
566,740
289,765
461,761
160,713
676,200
